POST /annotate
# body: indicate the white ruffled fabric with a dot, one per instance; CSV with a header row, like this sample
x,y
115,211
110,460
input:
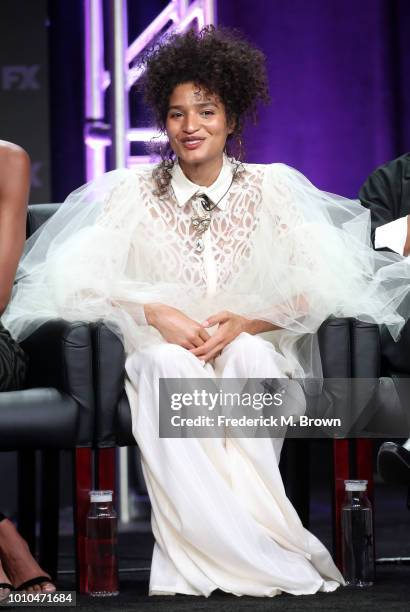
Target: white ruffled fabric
x,y
285,252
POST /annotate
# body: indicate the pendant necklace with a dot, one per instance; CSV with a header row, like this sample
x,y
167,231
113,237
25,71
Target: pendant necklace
x,y
201,219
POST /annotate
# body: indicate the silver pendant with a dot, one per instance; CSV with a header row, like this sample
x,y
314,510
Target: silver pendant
x,y
199,245
201,224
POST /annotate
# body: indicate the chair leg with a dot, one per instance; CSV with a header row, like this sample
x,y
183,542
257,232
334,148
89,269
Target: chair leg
x,y
364,463
50,505
341,465
27,497
82,473
106,463
297,462
364,470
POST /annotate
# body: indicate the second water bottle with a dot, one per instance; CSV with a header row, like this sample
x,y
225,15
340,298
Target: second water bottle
x,y
102,561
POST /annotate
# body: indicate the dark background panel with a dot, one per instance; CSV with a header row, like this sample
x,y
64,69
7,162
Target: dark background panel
x,y
24,86
66,102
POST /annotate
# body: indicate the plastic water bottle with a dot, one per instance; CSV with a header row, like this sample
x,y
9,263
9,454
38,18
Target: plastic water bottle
x,y
357,535
102,563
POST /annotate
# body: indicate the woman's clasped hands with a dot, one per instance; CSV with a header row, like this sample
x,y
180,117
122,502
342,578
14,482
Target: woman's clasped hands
x,y
177,328
230,325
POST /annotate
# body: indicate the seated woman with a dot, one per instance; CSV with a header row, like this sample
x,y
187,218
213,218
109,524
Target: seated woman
x,y
210,267
18,569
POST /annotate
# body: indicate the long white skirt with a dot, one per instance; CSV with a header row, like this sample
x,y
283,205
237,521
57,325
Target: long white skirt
x,y
220,515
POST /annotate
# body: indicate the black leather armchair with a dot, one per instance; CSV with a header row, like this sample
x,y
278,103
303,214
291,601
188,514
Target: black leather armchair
x,y
55,411
349,349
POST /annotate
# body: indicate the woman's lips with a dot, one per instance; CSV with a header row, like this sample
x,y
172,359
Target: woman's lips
x,y
192,144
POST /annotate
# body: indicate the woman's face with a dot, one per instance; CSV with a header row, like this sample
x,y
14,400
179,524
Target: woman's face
x,y
196,124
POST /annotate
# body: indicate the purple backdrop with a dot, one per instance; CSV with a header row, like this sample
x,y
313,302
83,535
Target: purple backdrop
x,y
338,72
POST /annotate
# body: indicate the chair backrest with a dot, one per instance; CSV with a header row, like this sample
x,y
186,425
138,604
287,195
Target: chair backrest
x,y
38,214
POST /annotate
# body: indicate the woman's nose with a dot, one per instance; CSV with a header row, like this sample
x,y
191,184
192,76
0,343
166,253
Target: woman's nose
x,y
191,123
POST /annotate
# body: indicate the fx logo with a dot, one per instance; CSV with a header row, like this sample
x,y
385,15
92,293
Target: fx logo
x,y
22,78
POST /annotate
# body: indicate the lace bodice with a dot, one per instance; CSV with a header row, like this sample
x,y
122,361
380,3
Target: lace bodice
x,y
165,239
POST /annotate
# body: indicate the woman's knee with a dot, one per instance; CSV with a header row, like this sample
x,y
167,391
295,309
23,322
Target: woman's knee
x,y
248,346
168,359
251,355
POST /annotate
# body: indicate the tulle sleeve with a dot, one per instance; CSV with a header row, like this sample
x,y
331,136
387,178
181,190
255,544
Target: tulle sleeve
x,y
77,265
313,259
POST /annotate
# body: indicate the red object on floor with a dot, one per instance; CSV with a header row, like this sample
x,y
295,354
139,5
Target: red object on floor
x,y
83,484
346,466
106,469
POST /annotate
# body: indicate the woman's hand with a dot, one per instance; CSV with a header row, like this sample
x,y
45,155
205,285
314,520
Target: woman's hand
x,y
230,325
175,327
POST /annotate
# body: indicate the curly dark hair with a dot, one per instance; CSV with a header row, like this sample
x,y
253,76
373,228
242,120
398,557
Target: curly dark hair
x,y
219,61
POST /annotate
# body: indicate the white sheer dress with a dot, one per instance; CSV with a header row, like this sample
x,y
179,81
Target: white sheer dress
x,y
277,249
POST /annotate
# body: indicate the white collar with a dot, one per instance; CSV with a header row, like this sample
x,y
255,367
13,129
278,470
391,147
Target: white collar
x,y
184,189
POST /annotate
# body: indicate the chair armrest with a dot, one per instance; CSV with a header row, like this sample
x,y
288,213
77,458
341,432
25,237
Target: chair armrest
x,y
38,419
109,374
60,354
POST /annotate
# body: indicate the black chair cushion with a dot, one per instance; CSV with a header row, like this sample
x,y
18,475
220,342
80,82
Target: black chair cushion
x,y
123,427
38,419
60,354
335,346
38,214
109,374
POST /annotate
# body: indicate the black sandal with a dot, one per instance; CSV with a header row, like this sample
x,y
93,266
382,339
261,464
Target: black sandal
x,y
33,582
6,585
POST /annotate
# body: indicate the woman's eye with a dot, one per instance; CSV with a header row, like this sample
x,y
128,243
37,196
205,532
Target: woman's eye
x,y
207,113
173,115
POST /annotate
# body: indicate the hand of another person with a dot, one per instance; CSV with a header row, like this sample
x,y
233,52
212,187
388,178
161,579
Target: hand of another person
x,y
175,326
230,325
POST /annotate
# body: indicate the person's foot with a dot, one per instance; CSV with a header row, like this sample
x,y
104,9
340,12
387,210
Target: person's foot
x,y
4,580
18,562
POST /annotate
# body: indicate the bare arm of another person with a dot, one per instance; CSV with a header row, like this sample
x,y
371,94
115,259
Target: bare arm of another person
x,y
14,190
406,250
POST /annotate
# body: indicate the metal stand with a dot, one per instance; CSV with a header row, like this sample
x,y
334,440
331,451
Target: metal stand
x,y
99,133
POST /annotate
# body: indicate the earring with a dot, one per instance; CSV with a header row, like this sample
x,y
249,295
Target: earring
x,y
240,148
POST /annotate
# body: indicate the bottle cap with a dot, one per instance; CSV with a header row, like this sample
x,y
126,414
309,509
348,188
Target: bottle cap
x,y
100,496
355,485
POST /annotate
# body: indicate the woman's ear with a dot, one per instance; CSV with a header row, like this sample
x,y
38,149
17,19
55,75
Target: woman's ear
x,y
231,125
